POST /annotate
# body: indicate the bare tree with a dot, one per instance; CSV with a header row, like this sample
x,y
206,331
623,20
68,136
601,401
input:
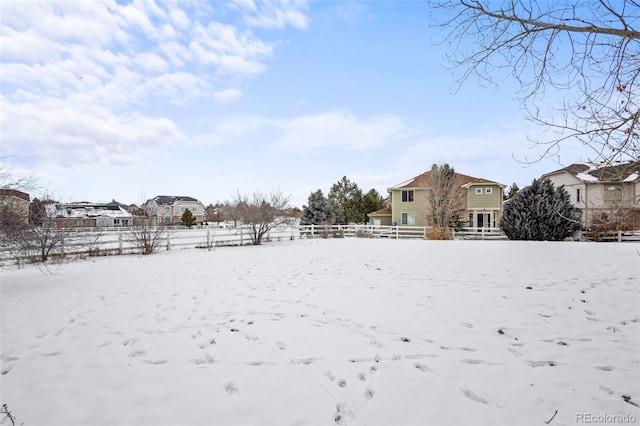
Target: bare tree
x,y
588,49
39,240
261,212
445,199
147,238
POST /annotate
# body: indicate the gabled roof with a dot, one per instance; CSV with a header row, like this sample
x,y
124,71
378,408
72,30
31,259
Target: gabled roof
x,y
172,199
91,210
423,181
591,172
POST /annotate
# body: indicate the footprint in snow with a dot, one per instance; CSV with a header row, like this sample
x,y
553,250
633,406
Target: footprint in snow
x,y
230,388
281,346
155,361
420,366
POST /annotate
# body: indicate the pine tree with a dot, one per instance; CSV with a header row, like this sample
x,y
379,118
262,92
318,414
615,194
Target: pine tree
x,y
318,211
346,200
511,192
540,212
372,201
187,218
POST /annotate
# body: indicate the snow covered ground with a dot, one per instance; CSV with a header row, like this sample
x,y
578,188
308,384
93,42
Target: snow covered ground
x,y
323,332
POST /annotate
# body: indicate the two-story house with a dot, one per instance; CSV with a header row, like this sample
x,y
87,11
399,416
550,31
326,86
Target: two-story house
x,y
15,204
600,191
168,209
408,202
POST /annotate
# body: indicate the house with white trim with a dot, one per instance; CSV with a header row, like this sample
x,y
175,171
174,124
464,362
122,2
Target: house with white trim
x,y
89,215
601,191
408,202
168,209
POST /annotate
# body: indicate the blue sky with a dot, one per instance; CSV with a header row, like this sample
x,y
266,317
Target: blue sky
x,y
105,100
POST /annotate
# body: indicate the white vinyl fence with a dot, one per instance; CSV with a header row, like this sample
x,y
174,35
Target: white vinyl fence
x,y
112,241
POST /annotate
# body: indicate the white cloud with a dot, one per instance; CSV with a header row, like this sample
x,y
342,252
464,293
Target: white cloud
x,y
276,14
339,128
227,95
73,72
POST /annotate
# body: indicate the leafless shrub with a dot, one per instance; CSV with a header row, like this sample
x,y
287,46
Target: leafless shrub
x,y
363,233
261,212
147,238
438,233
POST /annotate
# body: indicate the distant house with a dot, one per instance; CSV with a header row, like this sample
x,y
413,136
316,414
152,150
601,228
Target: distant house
x,y
408,201
168,209
600,192
15,203
89,215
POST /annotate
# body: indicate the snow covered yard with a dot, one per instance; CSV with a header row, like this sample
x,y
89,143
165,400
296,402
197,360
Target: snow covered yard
x,y
323,332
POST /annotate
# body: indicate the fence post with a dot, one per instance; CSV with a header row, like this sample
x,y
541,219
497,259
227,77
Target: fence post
x,y
120,242
619,236
168,239
313,232
241,237
397,232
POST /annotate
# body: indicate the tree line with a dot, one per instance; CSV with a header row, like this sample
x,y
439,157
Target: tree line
x,y
345,203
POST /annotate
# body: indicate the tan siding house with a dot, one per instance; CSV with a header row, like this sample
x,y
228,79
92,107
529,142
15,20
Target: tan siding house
x,y
168,209
408,202
599,191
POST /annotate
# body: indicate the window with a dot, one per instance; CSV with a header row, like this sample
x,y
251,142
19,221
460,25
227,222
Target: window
x,y
470,225
578,195
182,210
478,191
167,210
408,218
116,222
194,209
613,194
488,190
407,196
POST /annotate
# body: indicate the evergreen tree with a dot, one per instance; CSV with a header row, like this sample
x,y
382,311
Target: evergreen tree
x,y
511,192
187,218
346,200
540,212
318,210
372,201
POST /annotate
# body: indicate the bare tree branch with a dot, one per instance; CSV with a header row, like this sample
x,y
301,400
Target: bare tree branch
x,y
589,51
261,212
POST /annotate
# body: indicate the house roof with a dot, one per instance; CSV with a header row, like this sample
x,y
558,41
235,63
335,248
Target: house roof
x,y
591,172
423,181
381,212
172,199
91,210
14,193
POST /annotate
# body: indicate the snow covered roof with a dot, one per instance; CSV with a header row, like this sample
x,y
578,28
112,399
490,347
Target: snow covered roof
x,y
592,172
172,199
91,210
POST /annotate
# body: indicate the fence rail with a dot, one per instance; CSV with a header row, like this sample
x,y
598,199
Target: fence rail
x,y
107,241
376,231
